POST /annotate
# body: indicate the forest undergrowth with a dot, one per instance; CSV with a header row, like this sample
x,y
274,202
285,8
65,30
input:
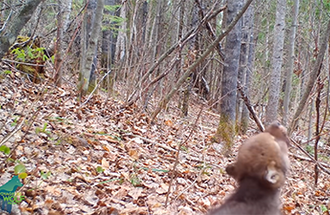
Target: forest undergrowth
x,y
97,157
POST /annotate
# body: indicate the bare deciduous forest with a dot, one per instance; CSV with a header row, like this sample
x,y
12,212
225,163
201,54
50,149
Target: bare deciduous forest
x,y
138,106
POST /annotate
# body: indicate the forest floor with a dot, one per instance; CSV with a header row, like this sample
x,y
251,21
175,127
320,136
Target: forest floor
x,y
104,158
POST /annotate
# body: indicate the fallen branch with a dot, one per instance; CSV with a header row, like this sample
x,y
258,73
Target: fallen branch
x,y
152,142
97,86
307,159
249,107
310,156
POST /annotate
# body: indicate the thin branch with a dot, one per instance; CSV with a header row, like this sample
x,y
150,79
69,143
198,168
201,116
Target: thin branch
x,y
310,156
7,20
317,125
249,107
22,63
17,128
97,86
312,79
189,35
183,78
211,31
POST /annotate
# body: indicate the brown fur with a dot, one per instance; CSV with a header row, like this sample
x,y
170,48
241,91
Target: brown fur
x,y
260,169
281,137
251,198
260,157
262,154
279,132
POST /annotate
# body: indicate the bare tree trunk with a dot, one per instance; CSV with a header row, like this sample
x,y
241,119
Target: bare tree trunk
x,y
132,63
226,128
67,7
178,68
90,52
191,57
290,63
58,46
249,67
243,60
108,44
121,50
275,77
208,50
10,32
157,41
312,79
83,48
310,122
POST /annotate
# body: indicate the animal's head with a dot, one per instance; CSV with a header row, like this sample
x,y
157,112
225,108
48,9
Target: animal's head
x,y
15,181
260,157
279,132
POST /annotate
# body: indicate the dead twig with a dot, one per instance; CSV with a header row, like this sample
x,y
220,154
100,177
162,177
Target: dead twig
x,y
97,86
249,107
308,159
310,156
152,142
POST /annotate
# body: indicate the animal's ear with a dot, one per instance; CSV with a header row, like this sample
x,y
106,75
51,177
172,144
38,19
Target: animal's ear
x,y
273,175
232,170
279,132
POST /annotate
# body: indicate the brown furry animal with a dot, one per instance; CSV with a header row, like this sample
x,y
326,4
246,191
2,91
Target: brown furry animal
x,y
260,170
251,198
279,132
262,158
281,137
264,151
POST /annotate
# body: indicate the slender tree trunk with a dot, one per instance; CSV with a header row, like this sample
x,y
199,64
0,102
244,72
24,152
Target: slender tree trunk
x,y
226,128
58,46
310,122
90,51
208,50
178,68
108,44
83,47
67,7
243,64
249,68
312,79
121,50
190,59
275,77
290,63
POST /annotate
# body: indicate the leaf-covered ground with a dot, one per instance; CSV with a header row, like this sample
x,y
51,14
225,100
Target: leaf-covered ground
x,y
104,158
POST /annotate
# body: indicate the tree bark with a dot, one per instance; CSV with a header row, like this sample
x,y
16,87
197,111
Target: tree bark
x,y
92,44
249,67
226,128
289,71
58,46
67,7
121,49
108,44
277,59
